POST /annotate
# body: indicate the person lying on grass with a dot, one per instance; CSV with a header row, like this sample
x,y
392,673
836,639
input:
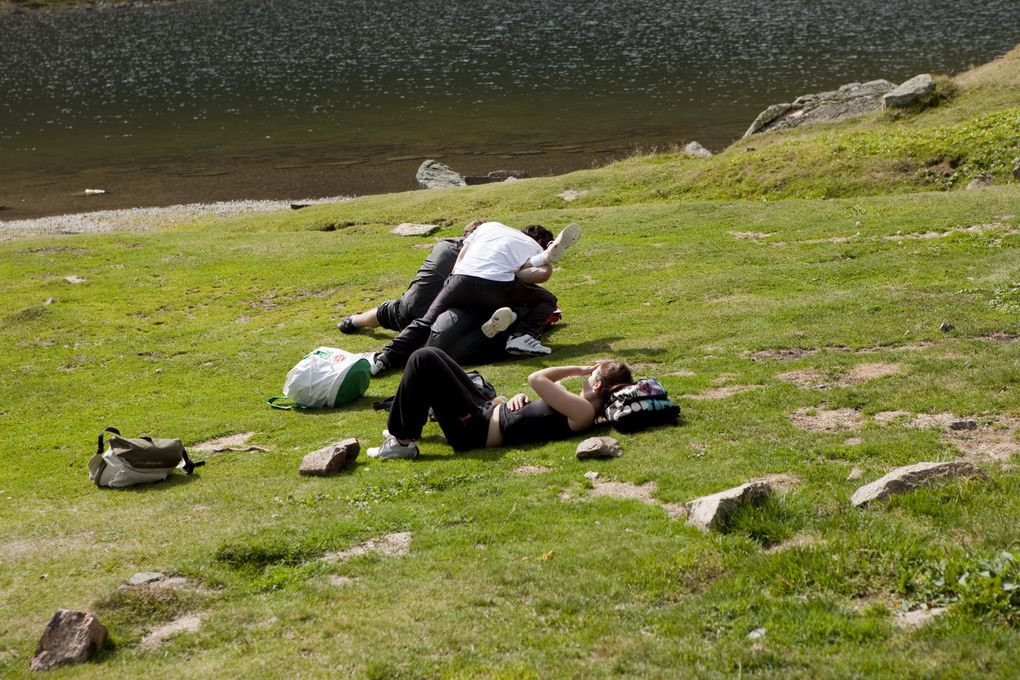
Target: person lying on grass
x,y
433,380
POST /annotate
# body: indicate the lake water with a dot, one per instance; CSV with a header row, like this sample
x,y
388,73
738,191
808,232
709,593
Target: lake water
x,y
202,100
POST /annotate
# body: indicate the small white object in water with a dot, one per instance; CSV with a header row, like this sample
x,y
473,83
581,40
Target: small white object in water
x,y
94,192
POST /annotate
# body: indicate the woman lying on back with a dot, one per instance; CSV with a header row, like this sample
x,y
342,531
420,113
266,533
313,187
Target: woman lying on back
x,y
433,380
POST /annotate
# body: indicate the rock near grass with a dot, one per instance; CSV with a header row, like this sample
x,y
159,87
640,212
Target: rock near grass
x,y
599,447
411,229
911,477
696,150
849,101
434,175
908,93
331,459
711,512
70,638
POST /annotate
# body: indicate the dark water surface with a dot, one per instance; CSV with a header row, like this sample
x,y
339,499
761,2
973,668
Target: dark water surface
x,y
205,100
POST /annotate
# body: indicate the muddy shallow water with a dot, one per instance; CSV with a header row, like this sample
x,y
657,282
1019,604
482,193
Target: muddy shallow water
x,y
200,100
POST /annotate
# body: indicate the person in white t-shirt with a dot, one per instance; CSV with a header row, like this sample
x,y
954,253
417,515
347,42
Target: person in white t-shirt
x,y
498,268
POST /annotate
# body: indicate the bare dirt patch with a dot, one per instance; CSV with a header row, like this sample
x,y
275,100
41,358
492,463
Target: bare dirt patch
x,y
821,420
867,372
625,490
159,636
809,378
233,442
390,545
996,439
573,194
723,392
1006,229
1001,337
531,470
340,581
917,618
783,354
750,235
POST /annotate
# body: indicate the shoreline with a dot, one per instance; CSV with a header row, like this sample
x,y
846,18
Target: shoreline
x,y
147,219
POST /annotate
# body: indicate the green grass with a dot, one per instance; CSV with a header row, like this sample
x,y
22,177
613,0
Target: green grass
x,y
185,331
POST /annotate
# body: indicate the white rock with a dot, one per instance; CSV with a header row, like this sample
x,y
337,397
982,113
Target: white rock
x,y
709,512
696,150
909,92
410,229
910,477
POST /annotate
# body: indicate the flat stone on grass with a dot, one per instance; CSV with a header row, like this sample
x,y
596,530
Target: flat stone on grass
x,y
159,636
599,447
911,477
709,512
70,638
409,229
332,459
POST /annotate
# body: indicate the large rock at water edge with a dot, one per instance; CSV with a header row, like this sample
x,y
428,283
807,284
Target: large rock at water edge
x,y
696,150
913,476
849,101
709,512
331,459
434,175
909,92
69,638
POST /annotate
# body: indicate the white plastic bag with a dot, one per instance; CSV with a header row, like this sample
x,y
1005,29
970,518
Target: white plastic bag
x,y
328,377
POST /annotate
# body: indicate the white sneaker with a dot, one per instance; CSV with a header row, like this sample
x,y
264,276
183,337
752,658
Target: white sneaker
x,y
500,320
391,448
378,362
558,248
525,344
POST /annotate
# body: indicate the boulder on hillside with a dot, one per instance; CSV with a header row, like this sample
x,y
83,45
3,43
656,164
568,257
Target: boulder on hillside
x,y
70,638
911,477
696,150
435,175
709,512
907,93
849,101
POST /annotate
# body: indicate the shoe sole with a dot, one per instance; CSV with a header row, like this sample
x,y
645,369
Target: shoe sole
x,y
566,238
527,352
500,320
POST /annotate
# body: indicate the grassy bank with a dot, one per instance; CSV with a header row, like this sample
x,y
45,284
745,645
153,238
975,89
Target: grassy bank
x,y
790,298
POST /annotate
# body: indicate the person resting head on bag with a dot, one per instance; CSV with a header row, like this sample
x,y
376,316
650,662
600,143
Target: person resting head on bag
x,y
433,380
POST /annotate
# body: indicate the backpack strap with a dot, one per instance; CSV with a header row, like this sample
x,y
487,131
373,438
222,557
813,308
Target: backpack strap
x,y
99,449
190,465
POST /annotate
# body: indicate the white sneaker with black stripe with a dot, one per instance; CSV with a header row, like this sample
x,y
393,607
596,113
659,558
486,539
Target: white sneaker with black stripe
x,y
527,345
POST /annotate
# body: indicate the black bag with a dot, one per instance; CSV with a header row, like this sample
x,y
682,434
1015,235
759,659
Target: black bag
x,y
644,404
483,386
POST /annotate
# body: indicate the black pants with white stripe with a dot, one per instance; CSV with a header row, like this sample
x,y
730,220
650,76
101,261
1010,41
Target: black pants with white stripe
x,y
433,380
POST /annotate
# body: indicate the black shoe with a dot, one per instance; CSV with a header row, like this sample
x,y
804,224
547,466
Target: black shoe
x,y
347,326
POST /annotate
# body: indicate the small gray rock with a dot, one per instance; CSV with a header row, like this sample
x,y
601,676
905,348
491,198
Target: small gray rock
x,y
599,447
963,425
74,279
909,92
434,175
855,473
70,638
709,512
331,459
911,477
756,634
591,475
143,577
1016,168
696,150
980,182
410,229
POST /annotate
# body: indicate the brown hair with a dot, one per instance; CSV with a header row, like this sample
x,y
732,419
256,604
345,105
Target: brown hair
x,y
613,376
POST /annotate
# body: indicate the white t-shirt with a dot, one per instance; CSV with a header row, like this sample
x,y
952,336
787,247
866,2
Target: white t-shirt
x,y
495,252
